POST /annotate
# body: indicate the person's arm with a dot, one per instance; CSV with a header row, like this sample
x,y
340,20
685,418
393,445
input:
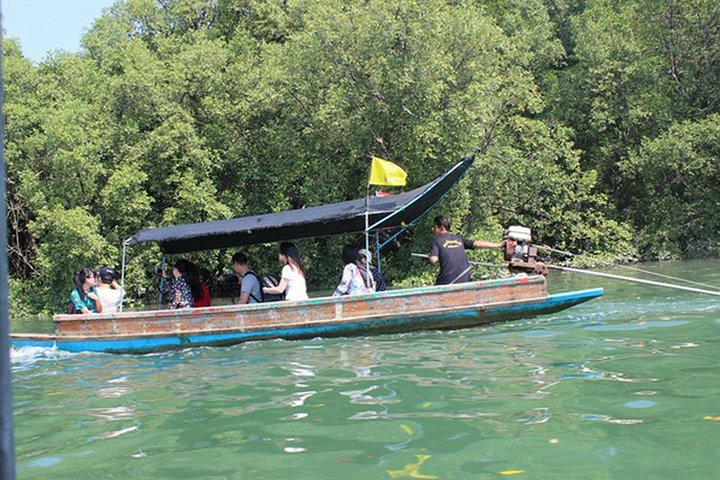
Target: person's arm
x,y
483,244
277,290
172,292
433,256
244,293
116,286
244,298
77,303
178,297
92,295
165,286
344,285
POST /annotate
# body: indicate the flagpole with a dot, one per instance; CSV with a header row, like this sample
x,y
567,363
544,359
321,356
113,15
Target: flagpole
x,y
367,223
382,172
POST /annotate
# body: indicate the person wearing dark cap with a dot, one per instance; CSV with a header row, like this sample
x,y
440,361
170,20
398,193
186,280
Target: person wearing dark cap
x,y
109,292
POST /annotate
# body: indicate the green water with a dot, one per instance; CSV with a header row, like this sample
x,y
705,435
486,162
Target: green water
x,y
623,387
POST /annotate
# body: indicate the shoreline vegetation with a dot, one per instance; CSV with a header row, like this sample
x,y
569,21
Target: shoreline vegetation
x,y
597,124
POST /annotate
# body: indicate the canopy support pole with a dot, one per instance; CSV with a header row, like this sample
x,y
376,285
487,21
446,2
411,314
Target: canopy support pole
x,y
122,274
162,282
367,231
377,250
395,235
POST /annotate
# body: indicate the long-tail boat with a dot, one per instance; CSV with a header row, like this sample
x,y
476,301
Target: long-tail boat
x,y
425,308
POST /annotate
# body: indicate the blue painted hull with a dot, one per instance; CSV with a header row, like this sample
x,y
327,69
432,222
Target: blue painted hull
x,y
450,319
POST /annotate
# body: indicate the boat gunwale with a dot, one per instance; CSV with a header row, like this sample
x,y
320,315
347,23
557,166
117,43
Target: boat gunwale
x,y
593,292
409,292
277,326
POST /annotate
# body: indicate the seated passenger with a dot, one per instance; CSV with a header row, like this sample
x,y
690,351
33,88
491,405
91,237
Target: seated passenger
x,y
182,288
366,256
354,281
84,297
108,290
203,299
292,278
250,289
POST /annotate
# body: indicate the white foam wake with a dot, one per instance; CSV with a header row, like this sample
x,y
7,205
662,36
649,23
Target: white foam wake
x,y
25,356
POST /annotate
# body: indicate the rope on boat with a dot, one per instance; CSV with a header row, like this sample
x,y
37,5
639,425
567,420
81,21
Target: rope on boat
x,y
668,276
635,280
635,269
550,249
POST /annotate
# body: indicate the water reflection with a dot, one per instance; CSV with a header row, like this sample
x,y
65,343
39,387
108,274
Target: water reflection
x,y
623,378
112,413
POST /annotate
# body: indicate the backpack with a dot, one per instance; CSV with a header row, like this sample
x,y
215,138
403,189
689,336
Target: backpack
x,y
271,281
70,307
267,281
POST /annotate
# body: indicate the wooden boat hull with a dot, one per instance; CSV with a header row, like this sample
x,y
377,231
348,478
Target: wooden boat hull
x,y
426,308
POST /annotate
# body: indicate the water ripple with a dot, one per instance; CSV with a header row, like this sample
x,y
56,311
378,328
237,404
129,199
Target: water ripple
x,y
551,397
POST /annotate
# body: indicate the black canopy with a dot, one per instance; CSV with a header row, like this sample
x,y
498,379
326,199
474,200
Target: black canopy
x,y
344,217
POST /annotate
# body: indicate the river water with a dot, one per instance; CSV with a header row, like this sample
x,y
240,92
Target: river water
x,y
624,387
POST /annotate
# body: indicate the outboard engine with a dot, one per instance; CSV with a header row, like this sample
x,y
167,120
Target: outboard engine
x,y
520,252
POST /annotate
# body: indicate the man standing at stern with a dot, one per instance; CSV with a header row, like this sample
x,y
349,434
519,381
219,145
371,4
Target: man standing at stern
x,y
449,249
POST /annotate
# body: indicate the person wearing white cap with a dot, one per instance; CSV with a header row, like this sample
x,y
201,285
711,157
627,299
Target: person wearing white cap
x,y
366,256
354,280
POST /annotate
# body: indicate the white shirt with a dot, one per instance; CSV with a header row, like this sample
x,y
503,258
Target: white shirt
x,y
353,282
110,299
296,288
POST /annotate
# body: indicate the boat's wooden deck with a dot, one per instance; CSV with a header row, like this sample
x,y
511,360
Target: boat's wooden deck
x,y
407,302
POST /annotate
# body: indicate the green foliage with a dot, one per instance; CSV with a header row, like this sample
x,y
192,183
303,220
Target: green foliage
x,y
22,304
610,95
676,189
652,69
684,38
70,240
193,110
534,178
124,204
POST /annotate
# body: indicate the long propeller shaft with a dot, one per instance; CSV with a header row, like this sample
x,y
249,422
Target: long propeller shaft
x,y
635,280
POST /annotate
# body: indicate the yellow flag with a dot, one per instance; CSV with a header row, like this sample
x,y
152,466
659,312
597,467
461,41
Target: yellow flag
x,y
383,172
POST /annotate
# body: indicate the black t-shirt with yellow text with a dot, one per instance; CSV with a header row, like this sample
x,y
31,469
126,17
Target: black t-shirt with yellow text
x,y
450,249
